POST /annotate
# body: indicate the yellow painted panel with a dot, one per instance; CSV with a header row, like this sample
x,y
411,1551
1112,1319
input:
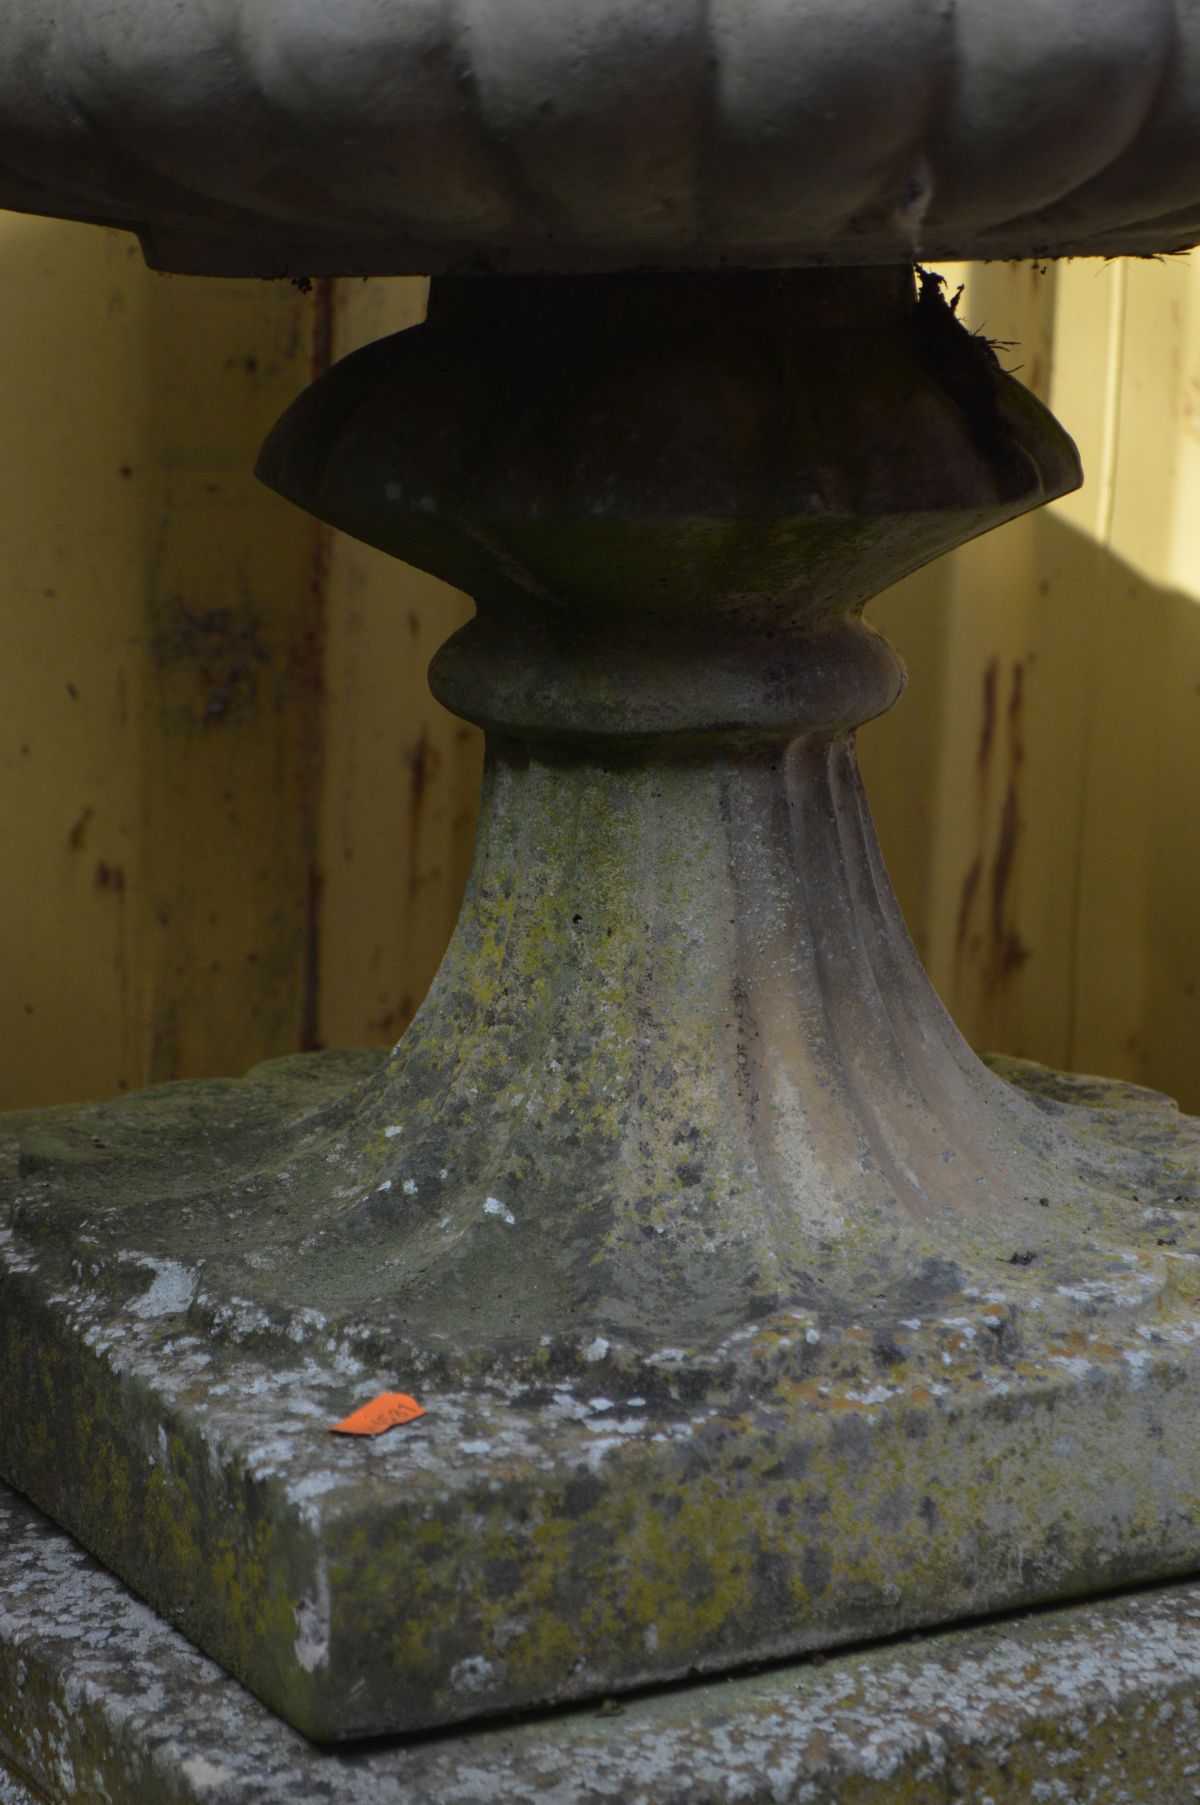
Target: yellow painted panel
x,y
401,777
1085,382
989,732
231,739
71,777
1054,891
1137,941
160,666
237,822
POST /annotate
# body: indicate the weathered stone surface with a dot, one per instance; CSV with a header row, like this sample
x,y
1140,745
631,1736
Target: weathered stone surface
x,y
1090,1705
12,1792
751,1312
278,137
624,1512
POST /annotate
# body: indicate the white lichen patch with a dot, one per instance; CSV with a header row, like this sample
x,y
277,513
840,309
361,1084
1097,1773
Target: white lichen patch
x,y
312,1625
472,1675
170,1292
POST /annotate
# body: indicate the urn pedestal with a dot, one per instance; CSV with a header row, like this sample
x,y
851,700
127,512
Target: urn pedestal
x,y
751,1314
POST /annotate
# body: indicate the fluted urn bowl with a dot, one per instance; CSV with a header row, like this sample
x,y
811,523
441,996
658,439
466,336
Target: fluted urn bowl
x,y
282,137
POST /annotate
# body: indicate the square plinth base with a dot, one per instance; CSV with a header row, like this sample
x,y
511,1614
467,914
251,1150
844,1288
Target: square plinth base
x,y
545,1536
1094,1704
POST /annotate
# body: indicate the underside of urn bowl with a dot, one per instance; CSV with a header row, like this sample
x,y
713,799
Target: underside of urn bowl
x,y
289,137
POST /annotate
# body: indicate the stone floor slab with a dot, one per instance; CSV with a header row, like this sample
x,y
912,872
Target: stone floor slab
x,y
1093,1704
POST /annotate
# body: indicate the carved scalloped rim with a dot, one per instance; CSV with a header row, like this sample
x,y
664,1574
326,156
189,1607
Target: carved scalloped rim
x,y
289,136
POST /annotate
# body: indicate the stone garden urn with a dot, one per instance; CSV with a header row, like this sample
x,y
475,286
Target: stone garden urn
x,y
750,1313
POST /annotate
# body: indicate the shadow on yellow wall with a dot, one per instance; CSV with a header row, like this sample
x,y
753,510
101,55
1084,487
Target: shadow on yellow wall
x,y
1037,800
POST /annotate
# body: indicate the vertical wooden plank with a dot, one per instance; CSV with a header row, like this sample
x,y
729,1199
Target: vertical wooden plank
x,y
73,383
1171,1023
1108,944
233,646
1085,388
1137,950
989,733
401,778
1055,702
160,638
1011,773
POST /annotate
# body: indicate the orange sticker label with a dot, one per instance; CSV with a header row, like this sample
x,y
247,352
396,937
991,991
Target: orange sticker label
x,y
383,1412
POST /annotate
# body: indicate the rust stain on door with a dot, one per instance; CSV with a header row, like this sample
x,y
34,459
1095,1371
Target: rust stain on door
x,y
991,943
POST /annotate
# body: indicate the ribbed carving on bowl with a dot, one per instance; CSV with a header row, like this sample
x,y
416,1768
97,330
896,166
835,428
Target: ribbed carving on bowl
x,y
604,133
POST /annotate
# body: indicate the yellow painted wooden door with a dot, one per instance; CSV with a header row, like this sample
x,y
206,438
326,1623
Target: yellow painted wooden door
x,y
1047,848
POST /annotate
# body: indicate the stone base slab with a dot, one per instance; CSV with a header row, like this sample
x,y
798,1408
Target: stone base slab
x,y
1095,1704
613,1517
